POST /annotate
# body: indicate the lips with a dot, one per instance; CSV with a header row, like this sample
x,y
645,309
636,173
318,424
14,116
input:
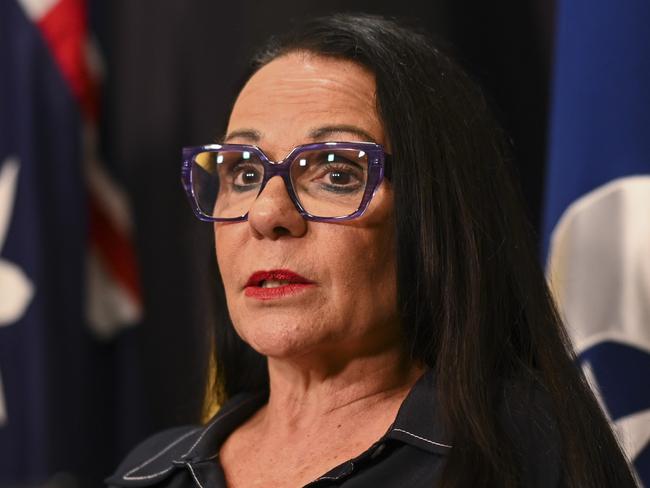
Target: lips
x,y
277,283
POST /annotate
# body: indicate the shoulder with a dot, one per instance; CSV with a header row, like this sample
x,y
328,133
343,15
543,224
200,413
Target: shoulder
x,y
166,455
527,417
154,458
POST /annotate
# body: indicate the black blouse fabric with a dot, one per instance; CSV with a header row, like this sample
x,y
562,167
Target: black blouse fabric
x,y
410,454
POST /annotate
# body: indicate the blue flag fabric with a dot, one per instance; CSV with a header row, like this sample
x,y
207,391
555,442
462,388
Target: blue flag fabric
x,y
597,219
41,354
70,401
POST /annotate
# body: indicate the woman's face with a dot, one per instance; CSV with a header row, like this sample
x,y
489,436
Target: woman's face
x,y
349,306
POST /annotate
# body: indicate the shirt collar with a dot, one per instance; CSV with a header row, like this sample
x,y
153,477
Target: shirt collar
x,y
418,420
160,456
416,424
230,416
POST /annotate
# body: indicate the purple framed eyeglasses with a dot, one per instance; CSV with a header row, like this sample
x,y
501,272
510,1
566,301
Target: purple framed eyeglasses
x,y
327,182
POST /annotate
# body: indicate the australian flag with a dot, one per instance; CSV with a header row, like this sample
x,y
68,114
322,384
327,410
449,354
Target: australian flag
x,y
67,274
597,222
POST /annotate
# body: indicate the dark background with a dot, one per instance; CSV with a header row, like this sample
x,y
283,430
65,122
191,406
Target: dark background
x,y
171,73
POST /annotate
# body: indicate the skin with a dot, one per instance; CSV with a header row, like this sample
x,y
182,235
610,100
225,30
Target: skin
x,y
338,369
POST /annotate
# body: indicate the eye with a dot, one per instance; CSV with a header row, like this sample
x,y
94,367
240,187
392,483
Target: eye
x,y
339,177
329,173
339,173
246,176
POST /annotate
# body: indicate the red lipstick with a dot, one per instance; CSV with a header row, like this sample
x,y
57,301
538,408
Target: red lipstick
x,y
276,283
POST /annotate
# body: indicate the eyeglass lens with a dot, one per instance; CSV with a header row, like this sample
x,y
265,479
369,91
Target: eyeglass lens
x,y
327,182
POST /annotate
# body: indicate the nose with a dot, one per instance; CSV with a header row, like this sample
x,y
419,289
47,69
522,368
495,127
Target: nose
x,y
274,215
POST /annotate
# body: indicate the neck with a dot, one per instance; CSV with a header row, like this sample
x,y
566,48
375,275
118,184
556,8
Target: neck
x,y
310,396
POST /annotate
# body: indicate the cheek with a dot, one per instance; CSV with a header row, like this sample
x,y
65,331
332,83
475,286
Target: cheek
x,y
374,261
364,278
227,239
227,244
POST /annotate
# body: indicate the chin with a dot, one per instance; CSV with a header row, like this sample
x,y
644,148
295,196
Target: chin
x,y
274,337
281,337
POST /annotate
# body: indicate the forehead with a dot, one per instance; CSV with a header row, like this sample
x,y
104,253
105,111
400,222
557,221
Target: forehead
x,y
294,95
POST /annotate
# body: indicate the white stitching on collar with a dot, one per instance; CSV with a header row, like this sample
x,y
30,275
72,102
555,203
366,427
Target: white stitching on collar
x,y
194,474
127,476
214,422
349,469
439,444
145,477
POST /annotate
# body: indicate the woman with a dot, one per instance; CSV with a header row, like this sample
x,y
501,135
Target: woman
x,y
388,322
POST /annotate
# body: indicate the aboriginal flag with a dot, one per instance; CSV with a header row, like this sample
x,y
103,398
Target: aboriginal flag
x,y
597,227
67,274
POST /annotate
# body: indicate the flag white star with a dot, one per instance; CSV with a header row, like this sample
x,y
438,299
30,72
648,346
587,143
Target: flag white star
x,y
16,289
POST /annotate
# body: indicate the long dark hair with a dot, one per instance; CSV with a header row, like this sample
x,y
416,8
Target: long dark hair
x,y
474,301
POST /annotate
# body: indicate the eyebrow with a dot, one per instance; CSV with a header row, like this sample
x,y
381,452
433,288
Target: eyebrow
x,y
250,134
319,133
327,131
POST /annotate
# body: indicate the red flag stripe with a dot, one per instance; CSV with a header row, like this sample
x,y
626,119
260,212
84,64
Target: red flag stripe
x,y
65,30
114,248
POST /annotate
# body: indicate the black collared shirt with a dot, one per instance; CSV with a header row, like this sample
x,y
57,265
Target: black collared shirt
x,y
410,454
